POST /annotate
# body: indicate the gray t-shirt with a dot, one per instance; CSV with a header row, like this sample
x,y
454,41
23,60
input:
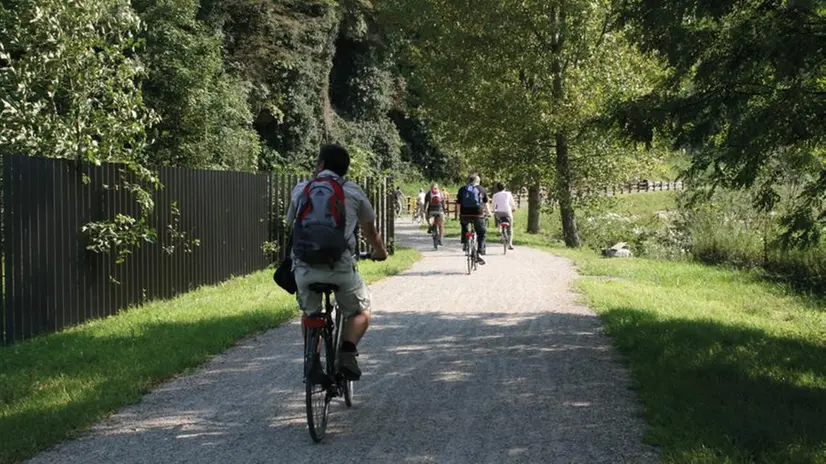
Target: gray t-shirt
x,y
358,209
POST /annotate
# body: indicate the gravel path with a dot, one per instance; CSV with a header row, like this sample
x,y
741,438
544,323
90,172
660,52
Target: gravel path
x,y
457,368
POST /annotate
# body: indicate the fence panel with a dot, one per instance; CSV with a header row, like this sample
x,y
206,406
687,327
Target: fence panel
x,y
51,280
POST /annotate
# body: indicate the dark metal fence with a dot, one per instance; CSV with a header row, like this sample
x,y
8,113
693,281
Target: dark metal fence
x,y
51,281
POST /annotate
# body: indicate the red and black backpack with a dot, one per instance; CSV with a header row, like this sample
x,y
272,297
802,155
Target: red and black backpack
x,y
319,228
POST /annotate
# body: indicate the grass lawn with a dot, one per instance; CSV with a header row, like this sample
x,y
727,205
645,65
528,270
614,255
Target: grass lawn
x,y
55,385
637,204
729,368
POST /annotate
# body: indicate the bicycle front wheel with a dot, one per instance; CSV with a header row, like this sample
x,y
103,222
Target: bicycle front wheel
x,y
317,389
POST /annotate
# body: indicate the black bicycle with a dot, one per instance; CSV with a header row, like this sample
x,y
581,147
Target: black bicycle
x,y
471,252
437,238
323,336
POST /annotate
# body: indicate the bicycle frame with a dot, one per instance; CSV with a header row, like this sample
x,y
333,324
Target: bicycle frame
x,y
435,234
471,252
333,331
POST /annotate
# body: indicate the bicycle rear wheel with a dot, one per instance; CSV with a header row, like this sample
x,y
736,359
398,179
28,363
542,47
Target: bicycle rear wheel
x,y
318,397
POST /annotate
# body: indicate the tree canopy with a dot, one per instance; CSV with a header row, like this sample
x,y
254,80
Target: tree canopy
x,y
744,93
518,87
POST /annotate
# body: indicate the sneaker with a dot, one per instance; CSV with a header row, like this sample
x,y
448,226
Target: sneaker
x,y
482,252
464,247
348,365
510,247
440,242
480,261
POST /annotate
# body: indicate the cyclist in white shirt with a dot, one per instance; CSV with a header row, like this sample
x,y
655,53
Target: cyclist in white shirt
x,y
503,207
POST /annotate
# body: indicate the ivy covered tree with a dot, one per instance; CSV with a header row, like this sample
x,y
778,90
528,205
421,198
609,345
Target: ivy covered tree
x,y
205,120
745,94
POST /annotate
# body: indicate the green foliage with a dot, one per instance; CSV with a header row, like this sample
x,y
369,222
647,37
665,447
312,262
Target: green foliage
x,y
745,95
726,229
420,151
69,80
70,88
205,119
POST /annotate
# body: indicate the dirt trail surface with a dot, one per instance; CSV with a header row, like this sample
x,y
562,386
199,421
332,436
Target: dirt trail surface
x,y
500,366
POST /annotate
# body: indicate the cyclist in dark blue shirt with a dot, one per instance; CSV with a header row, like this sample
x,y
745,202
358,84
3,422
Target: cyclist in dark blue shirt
x,y
473,207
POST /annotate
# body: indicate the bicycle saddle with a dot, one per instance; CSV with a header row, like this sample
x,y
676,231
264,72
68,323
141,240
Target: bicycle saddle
x,y
323,288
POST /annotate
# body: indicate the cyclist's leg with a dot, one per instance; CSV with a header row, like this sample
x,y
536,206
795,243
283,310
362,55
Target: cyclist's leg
x,y
309,302
464,222
441,219
481,233
353,300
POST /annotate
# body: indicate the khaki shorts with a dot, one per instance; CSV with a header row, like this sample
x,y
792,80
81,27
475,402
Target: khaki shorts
x,y
352,296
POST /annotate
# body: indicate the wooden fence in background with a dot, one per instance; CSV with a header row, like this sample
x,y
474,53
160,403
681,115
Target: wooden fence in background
x,y
52,281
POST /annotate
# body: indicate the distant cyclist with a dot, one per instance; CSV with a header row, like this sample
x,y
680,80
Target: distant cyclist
x,y
503,207
398,197
473,205
420,203
434,204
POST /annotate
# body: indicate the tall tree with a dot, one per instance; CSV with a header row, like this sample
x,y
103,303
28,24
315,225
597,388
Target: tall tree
x,y
524,81
745,95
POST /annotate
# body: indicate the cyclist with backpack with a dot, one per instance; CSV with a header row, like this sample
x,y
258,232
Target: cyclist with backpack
x,y
473,206
324,213
434,204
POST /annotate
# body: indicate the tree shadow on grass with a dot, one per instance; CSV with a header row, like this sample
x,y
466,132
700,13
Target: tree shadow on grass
x,y
724,393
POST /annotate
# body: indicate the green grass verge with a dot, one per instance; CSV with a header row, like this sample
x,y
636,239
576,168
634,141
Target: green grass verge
x,y
55,385
729,368
642,204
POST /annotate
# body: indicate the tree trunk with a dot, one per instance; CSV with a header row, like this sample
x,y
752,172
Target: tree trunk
x,y
563,162
570,233
534,207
